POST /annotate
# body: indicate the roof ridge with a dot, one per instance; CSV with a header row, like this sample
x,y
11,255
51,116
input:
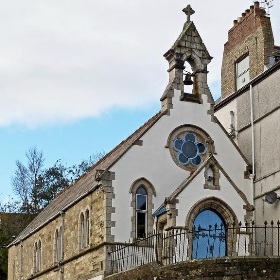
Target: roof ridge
x,y
61,202
108,154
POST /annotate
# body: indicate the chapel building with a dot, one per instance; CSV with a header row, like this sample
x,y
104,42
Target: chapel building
x,y
186,170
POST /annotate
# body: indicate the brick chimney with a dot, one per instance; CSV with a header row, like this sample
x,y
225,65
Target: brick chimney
x,y
251,35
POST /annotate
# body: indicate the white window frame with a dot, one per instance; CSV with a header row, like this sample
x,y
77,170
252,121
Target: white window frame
x,y
141,211
243,75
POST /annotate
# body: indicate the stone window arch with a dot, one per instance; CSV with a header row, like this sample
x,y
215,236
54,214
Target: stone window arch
x,y
82,231
190,146
56,246
58,239
217,205
222,209
142,192
37,256
212,176
87,228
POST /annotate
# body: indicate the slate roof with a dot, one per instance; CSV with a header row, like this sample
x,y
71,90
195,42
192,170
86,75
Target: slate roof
x,y
85,184
188,27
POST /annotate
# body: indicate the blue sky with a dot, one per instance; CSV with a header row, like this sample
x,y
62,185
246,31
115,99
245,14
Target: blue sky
x,y
78,77
69,142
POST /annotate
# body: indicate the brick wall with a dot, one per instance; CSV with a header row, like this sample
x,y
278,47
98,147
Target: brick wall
x,y
251,34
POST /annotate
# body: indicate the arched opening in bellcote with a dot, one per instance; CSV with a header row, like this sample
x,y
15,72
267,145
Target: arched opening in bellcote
x,y
188,59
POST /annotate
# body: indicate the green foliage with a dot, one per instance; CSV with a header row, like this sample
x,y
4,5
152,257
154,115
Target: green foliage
x,y
52,181
37,186
27,183
4,241
11,224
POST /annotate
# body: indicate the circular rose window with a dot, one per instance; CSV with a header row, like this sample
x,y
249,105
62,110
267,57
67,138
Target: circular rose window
x,y
188,146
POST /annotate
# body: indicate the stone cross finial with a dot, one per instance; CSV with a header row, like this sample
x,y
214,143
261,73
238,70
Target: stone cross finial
x,y
188,11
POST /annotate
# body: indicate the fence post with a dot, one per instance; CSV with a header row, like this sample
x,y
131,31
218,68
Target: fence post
x,y
265,240
252,239
272,237
278,223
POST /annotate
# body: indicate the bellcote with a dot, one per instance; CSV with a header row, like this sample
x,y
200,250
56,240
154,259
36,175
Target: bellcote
x,y
188,51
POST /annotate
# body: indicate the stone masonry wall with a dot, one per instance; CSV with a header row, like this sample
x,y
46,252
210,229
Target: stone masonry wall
x,y
251,35
208,269
76,262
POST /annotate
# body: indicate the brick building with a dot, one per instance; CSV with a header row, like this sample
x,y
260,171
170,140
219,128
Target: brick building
x,y
249,50
180,170
249,106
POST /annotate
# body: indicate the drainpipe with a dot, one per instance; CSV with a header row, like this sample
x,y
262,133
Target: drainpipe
x,y
252,176
61,245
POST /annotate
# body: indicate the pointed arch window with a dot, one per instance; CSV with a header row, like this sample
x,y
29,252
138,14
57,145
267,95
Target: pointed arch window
x,y
141,212
142,204
37,256
82,230
58,245
56,253
212,176
87,228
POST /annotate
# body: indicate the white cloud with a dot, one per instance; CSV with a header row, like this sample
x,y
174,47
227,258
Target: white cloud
x,y
65,60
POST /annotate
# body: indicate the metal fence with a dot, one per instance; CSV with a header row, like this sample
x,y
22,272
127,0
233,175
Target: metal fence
x,y
180,244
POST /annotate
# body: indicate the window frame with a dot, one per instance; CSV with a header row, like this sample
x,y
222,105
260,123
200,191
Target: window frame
x,y
141,211
37,265
150,190
56,246
246,73
82,230
87,228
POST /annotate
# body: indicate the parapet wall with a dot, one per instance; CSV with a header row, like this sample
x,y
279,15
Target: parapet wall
x,y
218,269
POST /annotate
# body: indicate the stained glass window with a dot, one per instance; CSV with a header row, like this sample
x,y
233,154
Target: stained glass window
x,y
189,150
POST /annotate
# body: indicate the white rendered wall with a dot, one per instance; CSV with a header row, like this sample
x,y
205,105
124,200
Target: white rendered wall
x,y
195,192
153,161
224,116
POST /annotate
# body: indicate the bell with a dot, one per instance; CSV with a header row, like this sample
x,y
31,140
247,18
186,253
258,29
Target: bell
x,y
188,80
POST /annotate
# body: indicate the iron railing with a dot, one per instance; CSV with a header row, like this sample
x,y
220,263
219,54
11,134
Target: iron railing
x,y
180,244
